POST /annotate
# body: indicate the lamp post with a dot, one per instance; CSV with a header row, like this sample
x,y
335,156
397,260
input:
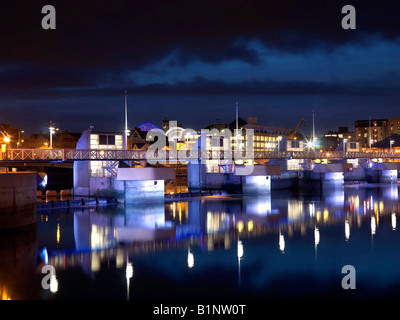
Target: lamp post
x,y
7,140
391,143
52,129
279,140
344,145
19,137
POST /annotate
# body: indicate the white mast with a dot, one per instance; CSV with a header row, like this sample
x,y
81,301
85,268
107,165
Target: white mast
x,y
369,132
237,127
237,115
313,130
126,122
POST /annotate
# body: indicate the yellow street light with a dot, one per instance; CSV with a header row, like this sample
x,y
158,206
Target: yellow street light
x,y
6,139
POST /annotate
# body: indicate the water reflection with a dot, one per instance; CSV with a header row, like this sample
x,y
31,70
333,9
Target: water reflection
x,y
207,220
259,239
347,229
18,262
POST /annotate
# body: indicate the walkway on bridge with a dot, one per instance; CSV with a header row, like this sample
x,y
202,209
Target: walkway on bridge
x,y
48,155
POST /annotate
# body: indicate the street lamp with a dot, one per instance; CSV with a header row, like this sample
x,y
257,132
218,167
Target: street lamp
x,y
344,145
7,140
391,143
19,137
371,141
52,131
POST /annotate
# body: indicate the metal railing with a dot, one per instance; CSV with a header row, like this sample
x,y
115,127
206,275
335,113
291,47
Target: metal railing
x,y
27,155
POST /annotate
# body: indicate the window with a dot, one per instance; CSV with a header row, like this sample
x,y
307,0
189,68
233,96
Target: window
x,y
353,145
295,144
111,140
105,139
102,139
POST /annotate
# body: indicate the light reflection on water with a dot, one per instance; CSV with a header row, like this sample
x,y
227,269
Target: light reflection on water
x,y
272,246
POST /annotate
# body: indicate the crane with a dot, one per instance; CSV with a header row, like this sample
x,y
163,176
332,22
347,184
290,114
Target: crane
x,y
292,134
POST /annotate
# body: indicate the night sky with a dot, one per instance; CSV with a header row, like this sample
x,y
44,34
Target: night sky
x,y
192,60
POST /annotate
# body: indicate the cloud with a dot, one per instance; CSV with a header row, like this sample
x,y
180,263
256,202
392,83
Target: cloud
x,y
135,34
215,50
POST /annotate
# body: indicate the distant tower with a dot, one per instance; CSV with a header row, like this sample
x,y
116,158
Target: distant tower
x,y
165,123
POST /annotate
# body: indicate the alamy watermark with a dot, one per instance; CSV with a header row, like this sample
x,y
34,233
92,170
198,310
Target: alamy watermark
x,y
188,145
49,281
49,20
349,280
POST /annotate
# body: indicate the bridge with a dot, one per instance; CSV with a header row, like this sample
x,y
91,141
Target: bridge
x,y
70,155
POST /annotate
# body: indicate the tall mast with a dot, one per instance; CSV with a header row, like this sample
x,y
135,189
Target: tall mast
x,y
313,130
369,132
237,115
237,127
126,122
313,126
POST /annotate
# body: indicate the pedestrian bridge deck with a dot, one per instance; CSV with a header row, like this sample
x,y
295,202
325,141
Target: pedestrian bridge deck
x,y
48,155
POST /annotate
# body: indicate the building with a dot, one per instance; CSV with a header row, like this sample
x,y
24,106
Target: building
x,y
97,140
37,141
65,140
371,131
332,139
137,139
266,138
391,143
114,178
166,124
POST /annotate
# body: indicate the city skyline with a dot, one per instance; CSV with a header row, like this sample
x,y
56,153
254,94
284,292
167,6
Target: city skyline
x,y
192,62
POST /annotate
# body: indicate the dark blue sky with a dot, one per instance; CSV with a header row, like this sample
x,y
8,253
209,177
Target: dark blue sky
x,y
193,60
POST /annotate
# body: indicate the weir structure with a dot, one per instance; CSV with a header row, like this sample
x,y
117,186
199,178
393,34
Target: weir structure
x,y
127,175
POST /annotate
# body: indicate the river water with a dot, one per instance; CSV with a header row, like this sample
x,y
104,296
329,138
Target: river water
x,y
278,246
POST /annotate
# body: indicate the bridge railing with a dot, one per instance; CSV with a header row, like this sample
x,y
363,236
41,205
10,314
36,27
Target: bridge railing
x,y
168,156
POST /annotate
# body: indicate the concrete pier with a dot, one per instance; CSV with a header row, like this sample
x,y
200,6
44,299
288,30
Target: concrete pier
x,y
17,199
144,184
385,172
257,182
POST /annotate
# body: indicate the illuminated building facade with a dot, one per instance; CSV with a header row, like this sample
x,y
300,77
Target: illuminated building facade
x,y
374,130
103,141
85,170
332,139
